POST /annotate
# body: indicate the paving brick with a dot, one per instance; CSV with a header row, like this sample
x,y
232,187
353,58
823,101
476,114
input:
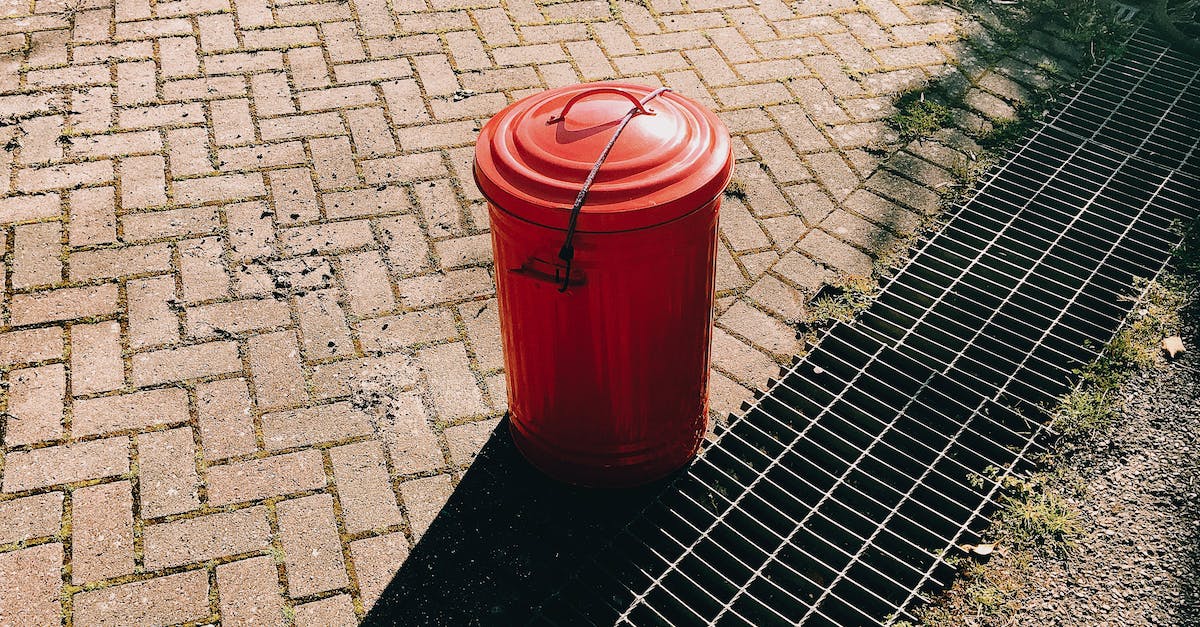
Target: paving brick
x,y
189,362
67,463
272,95
188,151
404,101
222,188
904,192
275,364
486,105
482,320
403,169
376,561
726,396
333,162
202,269
363,375
397,332
740,359
237,316
96,363
762,195
262,156
740,228
364,490
427,290
151,321
778,298
63,304
136,410
64,176
311,425
371,132
116,144
30,517
761,329
226,424
206,537
33,585
30,345
112,263
231,121
882,212
312,551
833,253
729,276
249,592
256,479
335,611
323,328
330,237
35,405
423,499
365,278
466,440
802,271
178,56
39,139
136,82
31,207
294,195
158,116
93,216
441,135
362,202
451,383
785,230
101,532
342,41
167,471
180,597
833,173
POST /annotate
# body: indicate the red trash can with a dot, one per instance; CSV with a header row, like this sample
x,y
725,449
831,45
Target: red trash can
x,y
605,297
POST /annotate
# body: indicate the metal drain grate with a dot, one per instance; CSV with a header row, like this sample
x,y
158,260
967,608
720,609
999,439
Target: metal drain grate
x,y
832,501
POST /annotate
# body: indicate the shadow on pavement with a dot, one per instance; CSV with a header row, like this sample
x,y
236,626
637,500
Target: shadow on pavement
x,y
506,540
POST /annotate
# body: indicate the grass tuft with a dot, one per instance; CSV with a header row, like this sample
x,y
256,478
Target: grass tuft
x,y
1036,516
843,301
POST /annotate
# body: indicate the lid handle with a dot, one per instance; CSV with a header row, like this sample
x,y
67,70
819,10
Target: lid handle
x,y
637,104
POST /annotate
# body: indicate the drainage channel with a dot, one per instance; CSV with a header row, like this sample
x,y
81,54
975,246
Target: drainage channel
x,y
833,500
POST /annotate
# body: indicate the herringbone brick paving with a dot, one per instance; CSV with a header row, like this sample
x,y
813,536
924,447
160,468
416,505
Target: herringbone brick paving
x,y
248,334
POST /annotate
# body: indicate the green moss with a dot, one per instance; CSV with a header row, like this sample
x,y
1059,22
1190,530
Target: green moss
x,y
918,118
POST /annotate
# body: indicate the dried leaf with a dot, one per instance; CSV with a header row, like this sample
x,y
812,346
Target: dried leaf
x,y
1173,345
983,549
967,548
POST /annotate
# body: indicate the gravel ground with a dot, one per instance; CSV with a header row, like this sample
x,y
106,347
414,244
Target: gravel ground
x,y
1139,562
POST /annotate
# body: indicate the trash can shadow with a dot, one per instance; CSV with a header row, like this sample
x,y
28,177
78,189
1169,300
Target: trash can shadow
x,y
506,540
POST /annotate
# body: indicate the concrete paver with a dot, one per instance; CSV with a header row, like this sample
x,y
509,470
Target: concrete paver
x,y
248,334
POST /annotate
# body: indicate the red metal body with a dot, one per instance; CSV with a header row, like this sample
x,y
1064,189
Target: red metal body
x,y
607,380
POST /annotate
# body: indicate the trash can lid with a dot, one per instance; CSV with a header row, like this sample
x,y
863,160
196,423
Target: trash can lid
x,y
664,165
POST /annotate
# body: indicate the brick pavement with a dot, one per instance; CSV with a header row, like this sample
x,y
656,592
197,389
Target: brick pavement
x,y
248,334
